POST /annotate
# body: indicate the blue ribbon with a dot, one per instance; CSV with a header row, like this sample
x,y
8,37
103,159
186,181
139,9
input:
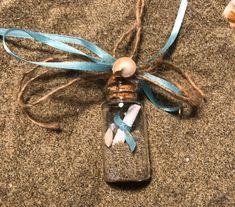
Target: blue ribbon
x,y
174,33
103,61
125,128
163,83
102,64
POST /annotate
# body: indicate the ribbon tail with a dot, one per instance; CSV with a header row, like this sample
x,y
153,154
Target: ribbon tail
x,y
130,141
174,33
163,84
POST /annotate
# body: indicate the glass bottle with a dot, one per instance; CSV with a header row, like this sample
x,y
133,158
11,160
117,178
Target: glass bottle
x,y
119,162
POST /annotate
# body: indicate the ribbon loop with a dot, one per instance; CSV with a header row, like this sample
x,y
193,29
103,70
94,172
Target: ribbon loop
x,y
121,124
104,61
101,64
162,83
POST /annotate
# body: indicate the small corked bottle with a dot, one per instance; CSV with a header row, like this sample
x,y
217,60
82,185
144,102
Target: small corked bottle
x,y
125,148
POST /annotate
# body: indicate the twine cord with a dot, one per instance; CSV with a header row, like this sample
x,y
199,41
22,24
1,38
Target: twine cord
x,y
192,100
100,67
25,106
136,27
151,64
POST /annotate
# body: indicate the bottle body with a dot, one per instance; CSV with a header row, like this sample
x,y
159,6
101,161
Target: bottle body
x,y
119,162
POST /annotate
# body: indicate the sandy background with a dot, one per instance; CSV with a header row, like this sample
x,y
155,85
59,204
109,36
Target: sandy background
x,y
193,161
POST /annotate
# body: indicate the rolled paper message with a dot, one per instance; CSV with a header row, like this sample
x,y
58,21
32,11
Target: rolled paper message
x,y
129,120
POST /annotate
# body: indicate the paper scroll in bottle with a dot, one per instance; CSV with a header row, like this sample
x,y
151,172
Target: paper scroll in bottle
x,y
129,120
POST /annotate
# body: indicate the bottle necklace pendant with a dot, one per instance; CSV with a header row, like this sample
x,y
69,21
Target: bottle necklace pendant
x,y
125,143
125,147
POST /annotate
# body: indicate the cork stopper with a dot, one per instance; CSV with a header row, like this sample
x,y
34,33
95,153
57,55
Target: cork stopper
x,y
119,88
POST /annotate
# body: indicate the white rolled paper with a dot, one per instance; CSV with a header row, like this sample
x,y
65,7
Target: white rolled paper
x,y
129,120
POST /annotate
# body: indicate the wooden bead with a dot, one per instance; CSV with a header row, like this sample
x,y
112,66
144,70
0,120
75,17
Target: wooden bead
x,y
124,67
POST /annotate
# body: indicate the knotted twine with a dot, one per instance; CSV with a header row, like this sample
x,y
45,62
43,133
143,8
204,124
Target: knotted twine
x,y
99,67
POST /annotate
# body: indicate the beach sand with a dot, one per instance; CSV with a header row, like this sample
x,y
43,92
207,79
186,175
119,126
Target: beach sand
x,y
192,159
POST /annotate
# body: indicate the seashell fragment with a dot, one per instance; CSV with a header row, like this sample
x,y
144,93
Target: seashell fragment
x,y
229,13
108,137
124,67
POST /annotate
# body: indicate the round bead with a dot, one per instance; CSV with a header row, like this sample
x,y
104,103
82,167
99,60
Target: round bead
x,y
124,66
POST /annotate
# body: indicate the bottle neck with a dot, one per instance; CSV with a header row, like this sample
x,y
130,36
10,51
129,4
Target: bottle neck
x,y
120,89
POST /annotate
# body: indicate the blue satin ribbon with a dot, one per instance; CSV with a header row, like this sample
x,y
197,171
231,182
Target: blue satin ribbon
x,y
103,61
102,64
163,83
126,129
174,33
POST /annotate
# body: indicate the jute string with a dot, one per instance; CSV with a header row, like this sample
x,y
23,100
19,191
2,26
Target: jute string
x,y
136,27
193,99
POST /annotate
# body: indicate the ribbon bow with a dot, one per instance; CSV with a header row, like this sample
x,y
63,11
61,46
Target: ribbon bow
x,y
104,61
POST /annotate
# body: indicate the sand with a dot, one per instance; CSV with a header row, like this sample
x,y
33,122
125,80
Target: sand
x,y
193,162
